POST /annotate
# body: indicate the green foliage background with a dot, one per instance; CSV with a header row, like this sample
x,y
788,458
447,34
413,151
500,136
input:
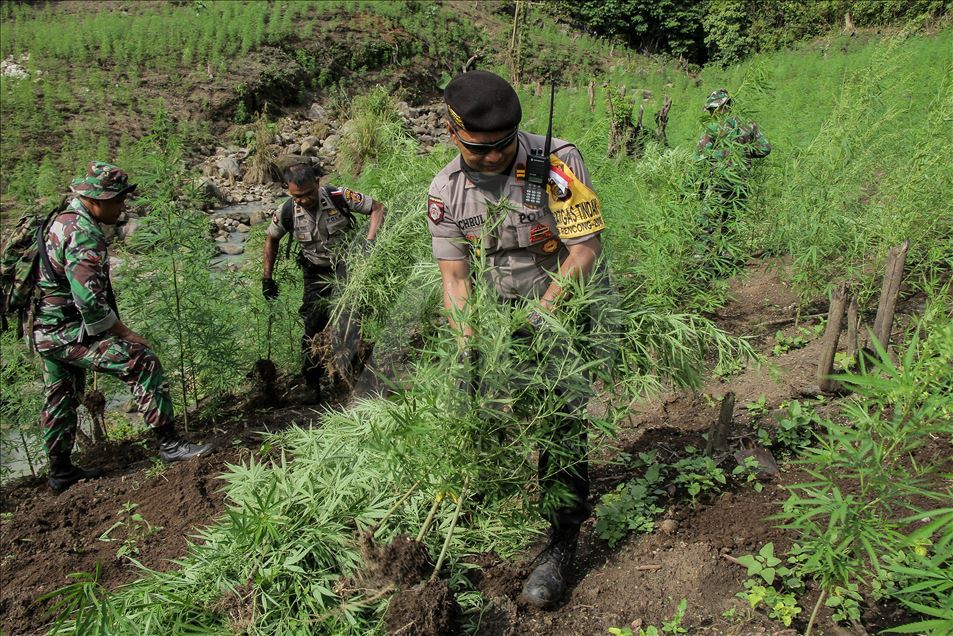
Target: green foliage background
x,y
730,30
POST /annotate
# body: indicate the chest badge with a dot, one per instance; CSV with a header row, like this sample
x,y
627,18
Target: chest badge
x,y
550,246
539,232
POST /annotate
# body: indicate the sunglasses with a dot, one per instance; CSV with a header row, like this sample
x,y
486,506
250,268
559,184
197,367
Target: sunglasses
x,y
485,149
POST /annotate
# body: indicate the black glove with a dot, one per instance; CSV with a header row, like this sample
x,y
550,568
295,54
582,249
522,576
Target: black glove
x,y
269,288
366,245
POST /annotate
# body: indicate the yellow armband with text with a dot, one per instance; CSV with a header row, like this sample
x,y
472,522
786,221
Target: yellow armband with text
x,y
577,209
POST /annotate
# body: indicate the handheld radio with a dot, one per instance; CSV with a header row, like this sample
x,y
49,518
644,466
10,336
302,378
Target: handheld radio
x,y
537,164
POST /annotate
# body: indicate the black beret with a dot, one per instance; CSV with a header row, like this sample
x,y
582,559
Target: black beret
x,y
480,101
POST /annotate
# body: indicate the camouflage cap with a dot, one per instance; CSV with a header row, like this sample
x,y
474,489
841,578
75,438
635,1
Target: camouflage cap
x,y
102,181
717,99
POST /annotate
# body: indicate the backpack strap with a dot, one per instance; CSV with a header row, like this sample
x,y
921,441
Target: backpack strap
x,y
286,218
45,263
25,318
339,202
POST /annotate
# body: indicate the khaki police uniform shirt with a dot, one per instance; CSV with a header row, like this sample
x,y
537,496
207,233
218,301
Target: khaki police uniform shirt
x,y
321,233
521,244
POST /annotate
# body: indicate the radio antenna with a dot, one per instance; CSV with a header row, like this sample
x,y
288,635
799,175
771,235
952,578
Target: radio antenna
x,y
549,132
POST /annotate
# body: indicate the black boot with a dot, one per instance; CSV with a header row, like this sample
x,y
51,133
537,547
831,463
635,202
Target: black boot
x,y
174,448
64,474
312,394
546,585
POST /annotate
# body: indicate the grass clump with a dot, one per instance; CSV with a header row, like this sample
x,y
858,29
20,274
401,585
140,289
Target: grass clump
x,y
370,125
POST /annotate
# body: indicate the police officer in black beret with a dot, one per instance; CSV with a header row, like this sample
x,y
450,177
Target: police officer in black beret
x,y
523,251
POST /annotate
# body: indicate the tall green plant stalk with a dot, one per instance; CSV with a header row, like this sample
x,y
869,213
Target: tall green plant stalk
x,y
181,341
26,451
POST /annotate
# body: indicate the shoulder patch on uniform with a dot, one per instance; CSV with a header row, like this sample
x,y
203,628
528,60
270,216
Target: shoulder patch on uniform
x,y
435,209
352,197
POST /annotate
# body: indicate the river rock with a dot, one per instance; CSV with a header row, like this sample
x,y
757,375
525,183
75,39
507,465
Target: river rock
x,y
330,145
10,68
231,249
129,228
241,227
283,162
228,168
209,188
317,112
309,146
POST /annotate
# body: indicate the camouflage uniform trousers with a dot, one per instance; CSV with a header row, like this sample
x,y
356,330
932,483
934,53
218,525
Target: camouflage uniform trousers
x,y
64,379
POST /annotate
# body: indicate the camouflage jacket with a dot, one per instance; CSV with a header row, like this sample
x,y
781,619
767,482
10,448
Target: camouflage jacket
x,y
716,144
75,302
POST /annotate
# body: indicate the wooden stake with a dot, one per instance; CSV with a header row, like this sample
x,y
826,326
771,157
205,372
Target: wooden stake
x,y
718,432
592,97
835,317
853,325
890,292
514,64
661,121
613,147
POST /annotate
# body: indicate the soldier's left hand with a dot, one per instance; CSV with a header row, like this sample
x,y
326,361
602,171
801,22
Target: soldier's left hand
x,y
366,246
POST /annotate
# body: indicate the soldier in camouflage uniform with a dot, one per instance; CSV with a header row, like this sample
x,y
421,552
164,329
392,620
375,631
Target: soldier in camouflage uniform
x,y
728,147
77,327
476,210
320,219
725,130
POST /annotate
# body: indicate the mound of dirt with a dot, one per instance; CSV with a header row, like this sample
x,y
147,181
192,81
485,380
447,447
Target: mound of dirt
x,y
429,609
403,562
238,607
497,579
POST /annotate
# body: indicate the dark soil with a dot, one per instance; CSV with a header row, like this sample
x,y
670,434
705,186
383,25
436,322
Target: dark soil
x,y
403,562
45,537
429,609
263,378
